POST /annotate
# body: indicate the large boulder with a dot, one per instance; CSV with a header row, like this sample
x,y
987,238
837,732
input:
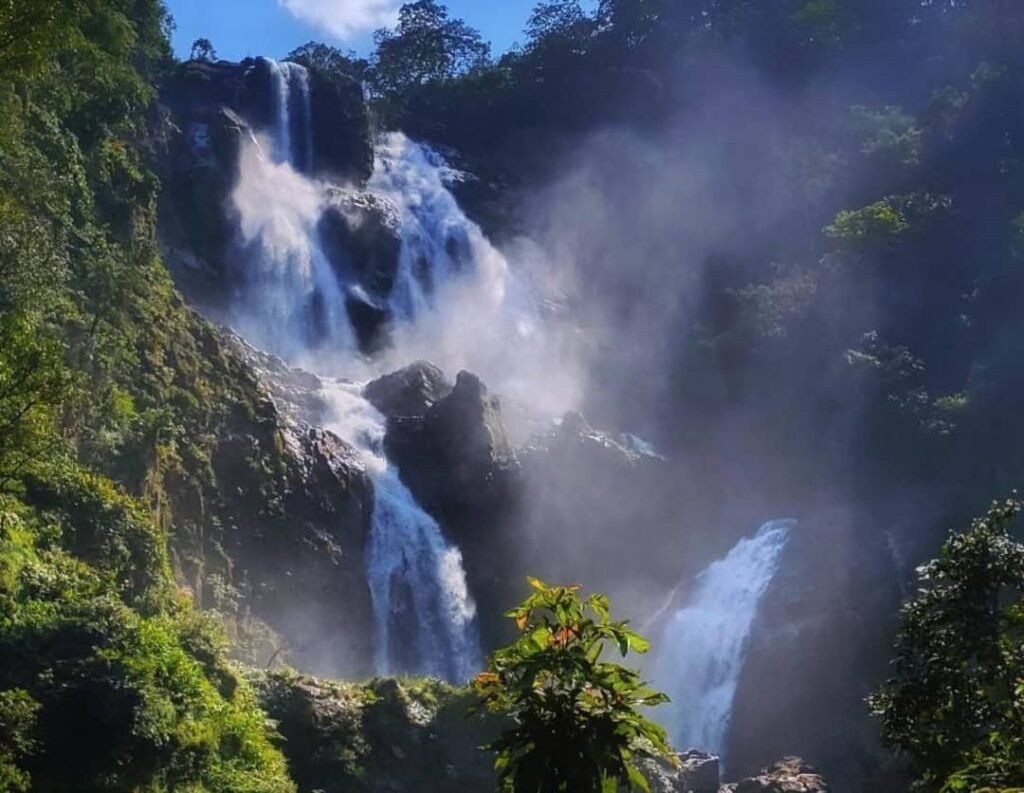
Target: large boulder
x,y
699,772
409,392
361,236
452,451
457,456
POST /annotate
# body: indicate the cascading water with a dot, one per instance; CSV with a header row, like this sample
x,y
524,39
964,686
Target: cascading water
x,y
295,304
702,650
422,608
293,108
289,299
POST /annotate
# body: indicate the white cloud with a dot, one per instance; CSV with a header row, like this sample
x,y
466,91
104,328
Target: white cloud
x,y
344,18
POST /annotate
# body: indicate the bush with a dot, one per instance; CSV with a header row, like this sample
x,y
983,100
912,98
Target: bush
x,y
576,721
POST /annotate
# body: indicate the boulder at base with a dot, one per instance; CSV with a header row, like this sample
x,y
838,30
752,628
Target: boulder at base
x,y
791,775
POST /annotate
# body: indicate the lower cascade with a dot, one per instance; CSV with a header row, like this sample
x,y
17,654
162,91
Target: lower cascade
x,y
704,644
422,609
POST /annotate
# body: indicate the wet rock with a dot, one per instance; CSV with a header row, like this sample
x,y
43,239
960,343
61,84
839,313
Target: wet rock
x,y
361,235
791,775
699,772
411,391
296,393
457,455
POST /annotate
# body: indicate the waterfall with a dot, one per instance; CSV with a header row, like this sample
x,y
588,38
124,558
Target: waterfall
x,y
704,645
422,609
293,108
457,300
289,298
293,302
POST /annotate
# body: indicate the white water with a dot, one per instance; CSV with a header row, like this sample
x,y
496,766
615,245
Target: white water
x,y
290,301
704,645
294,304
292,107
416,579
468,308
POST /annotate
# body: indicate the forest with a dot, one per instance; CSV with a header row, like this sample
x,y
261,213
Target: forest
x,y
790,234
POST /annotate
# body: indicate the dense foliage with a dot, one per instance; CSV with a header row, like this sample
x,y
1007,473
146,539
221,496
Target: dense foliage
x,y
109,679
576,720
955,706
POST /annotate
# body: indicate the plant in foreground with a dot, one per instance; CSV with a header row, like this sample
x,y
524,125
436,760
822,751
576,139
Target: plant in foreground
x,y
576,720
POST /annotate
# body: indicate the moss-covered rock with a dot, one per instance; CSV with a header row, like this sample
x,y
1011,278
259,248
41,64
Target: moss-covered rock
x,y
393,736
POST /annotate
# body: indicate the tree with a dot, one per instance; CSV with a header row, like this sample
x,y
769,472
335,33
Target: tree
x,y
955,706
559,20
314,55
426,46
203,50
576,727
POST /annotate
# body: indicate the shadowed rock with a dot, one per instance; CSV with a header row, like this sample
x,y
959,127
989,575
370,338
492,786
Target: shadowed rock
x,y
411,391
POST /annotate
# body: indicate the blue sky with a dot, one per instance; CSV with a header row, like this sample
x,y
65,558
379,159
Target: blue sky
x,y
239,28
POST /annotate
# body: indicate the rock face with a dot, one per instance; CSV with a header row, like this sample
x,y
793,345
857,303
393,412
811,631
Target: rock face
x,y
341,140
588,489
270,529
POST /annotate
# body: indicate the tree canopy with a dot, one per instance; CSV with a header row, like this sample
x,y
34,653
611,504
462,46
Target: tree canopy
x,y
426,46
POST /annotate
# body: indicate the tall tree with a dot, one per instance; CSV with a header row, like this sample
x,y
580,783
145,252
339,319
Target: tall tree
x,y
426,46
203,50
559,20
315,55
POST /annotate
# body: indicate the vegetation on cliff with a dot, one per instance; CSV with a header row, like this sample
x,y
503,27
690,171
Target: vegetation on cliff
x,y
109,389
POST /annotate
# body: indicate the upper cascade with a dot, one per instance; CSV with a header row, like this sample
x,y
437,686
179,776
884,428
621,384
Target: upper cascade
x,y
293,108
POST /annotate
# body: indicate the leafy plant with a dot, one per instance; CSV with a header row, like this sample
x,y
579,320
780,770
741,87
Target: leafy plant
x,y
576,723
955,706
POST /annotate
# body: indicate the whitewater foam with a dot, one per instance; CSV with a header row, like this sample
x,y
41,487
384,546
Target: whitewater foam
x,y
703,647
